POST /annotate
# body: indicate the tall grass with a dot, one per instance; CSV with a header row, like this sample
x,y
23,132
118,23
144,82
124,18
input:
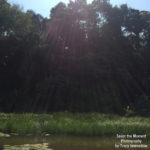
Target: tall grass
x,y
87,124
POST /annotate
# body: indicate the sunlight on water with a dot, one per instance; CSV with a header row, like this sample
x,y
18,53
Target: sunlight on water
x,y
57,143
43,146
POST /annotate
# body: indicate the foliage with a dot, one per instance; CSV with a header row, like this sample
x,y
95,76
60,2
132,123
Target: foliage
x,y
85,57
129,112
83,124
143,106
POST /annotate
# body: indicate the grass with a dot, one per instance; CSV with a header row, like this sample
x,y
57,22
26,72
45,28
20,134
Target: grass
x,y
86,124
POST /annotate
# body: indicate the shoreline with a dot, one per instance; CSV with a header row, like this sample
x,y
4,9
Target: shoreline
x,y
77,124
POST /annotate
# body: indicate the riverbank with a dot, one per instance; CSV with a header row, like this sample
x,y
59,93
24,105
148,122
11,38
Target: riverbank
x,y
83,124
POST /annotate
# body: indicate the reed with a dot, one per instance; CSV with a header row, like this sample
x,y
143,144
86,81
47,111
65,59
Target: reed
x,y
86,124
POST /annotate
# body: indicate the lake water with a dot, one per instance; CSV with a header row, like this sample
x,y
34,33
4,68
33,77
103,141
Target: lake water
x,y
66,142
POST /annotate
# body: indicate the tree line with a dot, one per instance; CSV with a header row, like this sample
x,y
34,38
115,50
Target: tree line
x,y
85,57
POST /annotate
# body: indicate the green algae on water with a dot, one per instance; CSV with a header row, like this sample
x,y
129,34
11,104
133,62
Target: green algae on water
x,y
43,146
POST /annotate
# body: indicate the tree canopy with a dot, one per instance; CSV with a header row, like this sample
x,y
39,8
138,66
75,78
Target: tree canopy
x,y
86,57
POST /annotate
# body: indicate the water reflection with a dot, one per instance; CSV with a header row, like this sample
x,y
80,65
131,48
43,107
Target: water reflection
x,y
64,142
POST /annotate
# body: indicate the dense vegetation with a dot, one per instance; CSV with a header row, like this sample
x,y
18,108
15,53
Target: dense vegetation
x,y
83,124
86,57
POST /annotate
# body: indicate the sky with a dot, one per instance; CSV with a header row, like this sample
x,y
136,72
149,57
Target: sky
x,y
43,7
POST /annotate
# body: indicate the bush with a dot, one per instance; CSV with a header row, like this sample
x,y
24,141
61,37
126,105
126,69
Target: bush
x,y
143,106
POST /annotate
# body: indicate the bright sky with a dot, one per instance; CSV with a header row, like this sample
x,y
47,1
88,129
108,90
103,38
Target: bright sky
x,y
43,6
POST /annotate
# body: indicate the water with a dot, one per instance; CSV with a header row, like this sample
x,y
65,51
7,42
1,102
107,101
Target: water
x,y
65,142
